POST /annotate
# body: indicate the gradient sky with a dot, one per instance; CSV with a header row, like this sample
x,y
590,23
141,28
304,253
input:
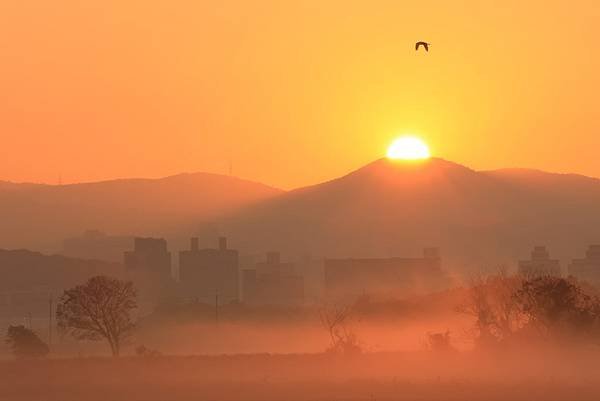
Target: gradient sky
x,y
293,92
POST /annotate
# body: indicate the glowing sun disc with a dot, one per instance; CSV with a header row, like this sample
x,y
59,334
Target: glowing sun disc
x,y
408,148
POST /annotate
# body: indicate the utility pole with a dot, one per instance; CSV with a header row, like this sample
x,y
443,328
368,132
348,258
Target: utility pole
x,y
217,307
50,320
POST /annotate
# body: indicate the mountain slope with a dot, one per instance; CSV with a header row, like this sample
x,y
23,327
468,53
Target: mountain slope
x,y
40,216
397,208
23,270
28,279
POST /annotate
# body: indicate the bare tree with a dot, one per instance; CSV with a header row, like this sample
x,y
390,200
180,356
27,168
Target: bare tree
x,y
508,314
492,302
99,309
478,305
556,306
335,319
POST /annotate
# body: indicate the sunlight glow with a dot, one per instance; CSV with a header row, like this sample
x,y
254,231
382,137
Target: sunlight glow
x,y
408,148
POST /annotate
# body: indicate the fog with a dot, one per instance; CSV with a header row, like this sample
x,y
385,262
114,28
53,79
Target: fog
x,y
526,373
283,354
307,336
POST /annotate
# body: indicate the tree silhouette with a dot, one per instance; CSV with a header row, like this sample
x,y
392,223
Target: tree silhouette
x,y
557,306
25,343
335,319
99,309
491,301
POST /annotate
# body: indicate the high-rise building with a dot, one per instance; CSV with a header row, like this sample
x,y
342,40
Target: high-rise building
x,y
588,268
273,282
206,274
540,264
149,255
149,267
383,276
95,244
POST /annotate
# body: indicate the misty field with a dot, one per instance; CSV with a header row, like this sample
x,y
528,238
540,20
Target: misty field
x,y
540,374
503,337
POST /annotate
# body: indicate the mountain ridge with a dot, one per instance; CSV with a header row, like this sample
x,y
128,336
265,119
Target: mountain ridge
x,y
40,216
389,208
384,208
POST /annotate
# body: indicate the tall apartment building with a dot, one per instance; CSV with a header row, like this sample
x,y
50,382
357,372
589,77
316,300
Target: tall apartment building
x,y
540,264
149,255
205,274
273,282
386,276
588,268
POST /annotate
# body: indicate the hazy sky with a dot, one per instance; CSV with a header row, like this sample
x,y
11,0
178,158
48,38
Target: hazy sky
x,y
293,92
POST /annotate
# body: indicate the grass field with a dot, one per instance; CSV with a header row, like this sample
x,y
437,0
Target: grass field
x,y
538,375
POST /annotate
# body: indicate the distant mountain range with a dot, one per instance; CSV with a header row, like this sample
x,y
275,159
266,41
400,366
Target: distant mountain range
x,y
40,216
388,208
479,219
22,270
28,280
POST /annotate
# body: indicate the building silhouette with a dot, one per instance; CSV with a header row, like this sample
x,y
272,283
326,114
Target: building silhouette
x,y
273,282
149,267
95,244
149,255
540,264
588,268
28,279
209,274
383,276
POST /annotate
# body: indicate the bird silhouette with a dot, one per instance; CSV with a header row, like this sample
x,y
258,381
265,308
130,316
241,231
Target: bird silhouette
x,y
424,44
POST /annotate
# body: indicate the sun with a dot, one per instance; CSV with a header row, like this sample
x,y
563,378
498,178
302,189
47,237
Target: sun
x,y
408,148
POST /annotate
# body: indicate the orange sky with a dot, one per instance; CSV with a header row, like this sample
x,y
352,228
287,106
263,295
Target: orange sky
x,y
293,92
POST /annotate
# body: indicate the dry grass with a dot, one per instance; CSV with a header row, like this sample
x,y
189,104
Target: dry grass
x,y
534,375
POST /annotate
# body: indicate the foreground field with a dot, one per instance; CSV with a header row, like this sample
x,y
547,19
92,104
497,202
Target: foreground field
x,y
539,375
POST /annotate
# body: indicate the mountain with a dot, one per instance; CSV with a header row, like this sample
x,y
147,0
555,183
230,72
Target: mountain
x,y
22,270
28,279
40,216
479,219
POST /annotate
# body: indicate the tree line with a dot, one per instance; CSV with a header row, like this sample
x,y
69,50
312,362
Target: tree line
x,y
505,309
100,309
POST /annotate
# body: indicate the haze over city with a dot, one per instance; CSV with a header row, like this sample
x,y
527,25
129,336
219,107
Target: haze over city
x,y
316,200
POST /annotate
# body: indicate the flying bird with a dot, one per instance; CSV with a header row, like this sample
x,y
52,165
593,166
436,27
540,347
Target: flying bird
x,y
424,44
